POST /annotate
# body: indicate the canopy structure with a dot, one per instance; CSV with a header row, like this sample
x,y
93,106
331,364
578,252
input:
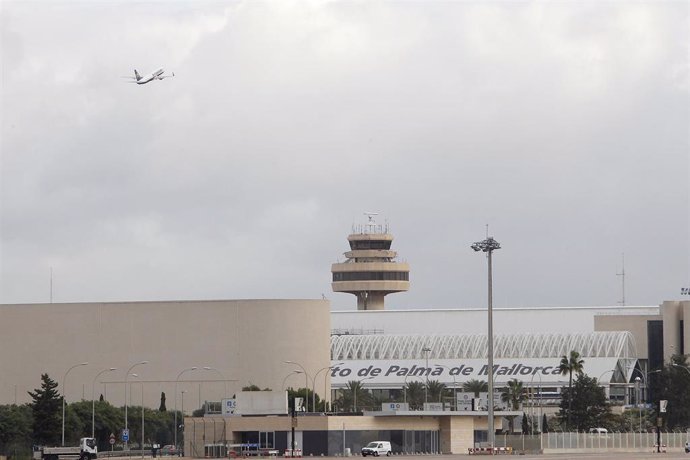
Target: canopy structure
x,y
455,358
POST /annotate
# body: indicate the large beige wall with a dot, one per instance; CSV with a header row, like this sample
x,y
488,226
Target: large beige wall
x,y
636,324
246,340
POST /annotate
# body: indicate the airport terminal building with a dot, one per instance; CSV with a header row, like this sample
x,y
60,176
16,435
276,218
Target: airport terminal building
x,y
211,349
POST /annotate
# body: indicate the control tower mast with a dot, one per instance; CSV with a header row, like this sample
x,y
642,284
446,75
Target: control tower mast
x,y
370,271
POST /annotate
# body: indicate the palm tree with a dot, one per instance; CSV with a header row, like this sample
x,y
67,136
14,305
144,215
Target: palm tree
x,y
570,364
414,393
355,395
513,395
435,389
475,386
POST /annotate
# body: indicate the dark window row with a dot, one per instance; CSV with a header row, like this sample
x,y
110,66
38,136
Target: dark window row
x,y
367,244
371,276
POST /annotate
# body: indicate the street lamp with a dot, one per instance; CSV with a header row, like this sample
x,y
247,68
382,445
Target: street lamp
x,y
426,351
360,386
127,377
325,382
455,386
142,414
93,400
63,399
177,380
225,382
680,367
286,377
531,385
180,452
306,376
488,246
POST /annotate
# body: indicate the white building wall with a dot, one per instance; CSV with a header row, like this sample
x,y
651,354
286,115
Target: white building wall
x,y
474,321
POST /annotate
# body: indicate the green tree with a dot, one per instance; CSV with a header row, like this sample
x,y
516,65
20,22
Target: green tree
x,y
673,384
475,386
414,394
584,404
435,390
513,395
568,365
162,408
46,406
303,393
355,396
15,430
525,424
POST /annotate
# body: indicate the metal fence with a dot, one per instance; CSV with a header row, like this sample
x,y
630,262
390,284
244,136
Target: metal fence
x,y
624,442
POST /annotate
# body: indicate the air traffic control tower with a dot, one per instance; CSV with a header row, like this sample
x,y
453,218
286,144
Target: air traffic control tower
x,y
370,271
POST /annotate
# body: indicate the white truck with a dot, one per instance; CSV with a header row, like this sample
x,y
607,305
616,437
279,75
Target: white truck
x,y
87,450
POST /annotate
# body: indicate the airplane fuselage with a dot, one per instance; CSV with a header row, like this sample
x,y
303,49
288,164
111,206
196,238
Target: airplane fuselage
x,y
156,75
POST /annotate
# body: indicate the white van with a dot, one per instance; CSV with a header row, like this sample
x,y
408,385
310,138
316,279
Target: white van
x,y
377,448
598,431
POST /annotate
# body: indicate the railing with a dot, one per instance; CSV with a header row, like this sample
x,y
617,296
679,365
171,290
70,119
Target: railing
x,y
613,441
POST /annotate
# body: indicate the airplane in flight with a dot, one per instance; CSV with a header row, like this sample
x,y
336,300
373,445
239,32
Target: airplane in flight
x,y
155,75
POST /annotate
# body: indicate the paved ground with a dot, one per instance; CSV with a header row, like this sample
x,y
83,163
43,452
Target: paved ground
x,y
575,456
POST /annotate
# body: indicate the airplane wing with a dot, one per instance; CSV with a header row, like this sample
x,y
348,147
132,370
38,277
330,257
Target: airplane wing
x,y
160,77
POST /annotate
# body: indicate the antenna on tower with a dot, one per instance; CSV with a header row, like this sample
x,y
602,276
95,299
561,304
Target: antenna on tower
x,y
370,215
622,275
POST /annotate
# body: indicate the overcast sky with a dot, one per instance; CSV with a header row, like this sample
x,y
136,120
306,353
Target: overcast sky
x,y
562,125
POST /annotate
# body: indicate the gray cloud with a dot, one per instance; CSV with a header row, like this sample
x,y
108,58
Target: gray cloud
x,y
564,126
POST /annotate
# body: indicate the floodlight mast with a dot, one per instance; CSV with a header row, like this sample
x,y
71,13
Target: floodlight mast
x,y
489,245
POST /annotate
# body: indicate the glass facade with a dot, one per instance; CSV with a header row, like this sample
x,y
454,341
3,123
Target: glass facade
x,y
333,443
371,276
369,244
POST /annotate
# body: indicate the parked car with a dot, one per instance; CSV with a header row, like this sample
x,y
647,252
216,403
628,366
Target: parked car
x,y
168,450
598,431
377,448
687,447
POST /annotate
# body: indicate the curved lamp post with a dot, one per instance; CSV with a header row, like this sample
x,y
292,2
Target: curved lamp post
x,y
426,350
325,381
455,386
63,399
489,245
93,400
225,382
126,378
176,381
306,376
282,387
142,412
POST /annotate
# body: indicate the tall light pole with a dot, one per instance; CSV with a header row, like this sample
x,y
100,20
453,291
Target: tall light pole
x,y
126,378
488,246
455,386
93,400
313,388
175,416
180,452
426,351
142,414
306,376
63,399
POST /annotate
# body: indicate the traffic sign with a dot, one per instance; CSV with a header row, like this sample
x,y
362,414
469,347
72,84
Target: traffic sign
x,y
125,435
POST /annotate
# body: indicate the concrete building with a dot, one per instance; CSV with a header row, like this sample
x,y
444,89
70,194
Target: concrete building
x,y
241,342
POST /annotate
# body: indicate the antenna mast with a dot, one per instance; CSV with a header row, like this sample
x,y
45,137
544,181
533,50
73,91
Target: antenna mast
x,y
622,275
